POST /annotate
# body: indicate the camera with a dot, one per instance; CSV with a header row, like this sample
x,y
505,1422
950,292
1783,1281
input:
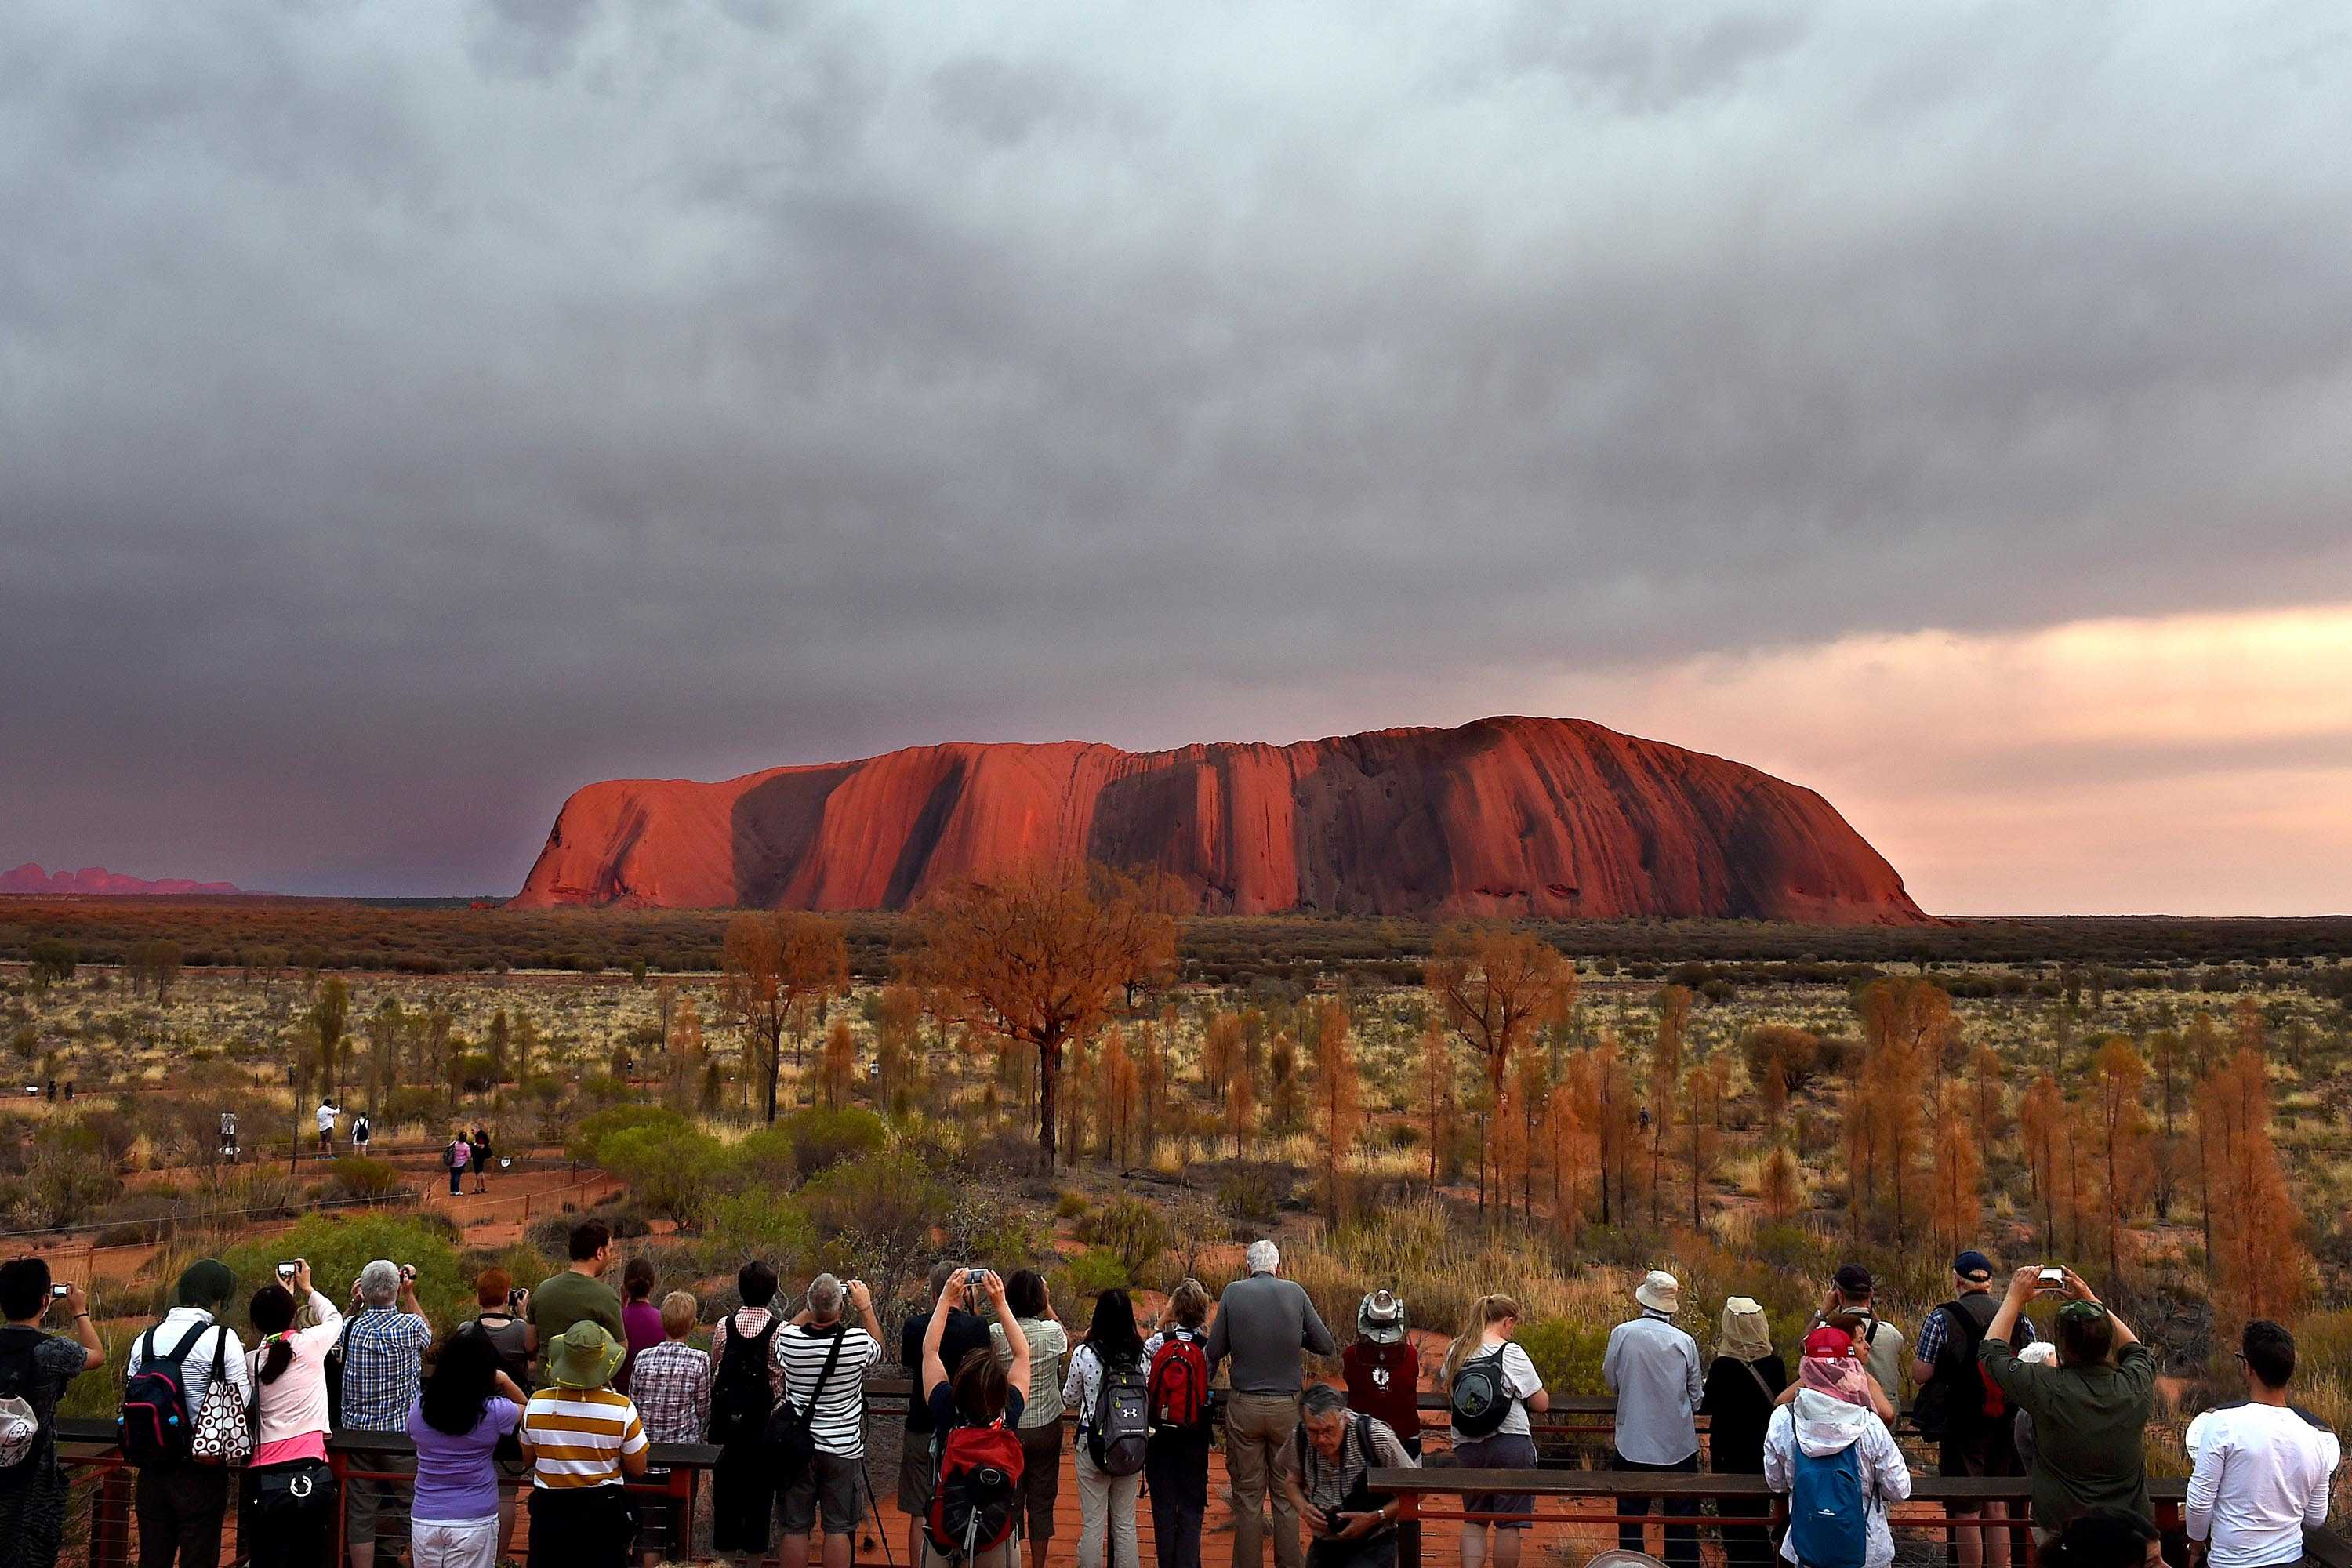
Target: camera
x,y
408,1274
286,1271
60,1292
2053,1277
514,1299
975,1283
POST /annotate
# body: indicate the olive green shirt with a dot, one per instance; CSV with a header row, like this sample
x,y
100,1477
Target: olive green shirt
x,y
565,1299
2088,1426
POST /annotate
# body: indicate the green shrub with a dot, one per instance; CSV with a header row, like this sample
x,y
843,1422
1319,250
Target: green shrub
x,y
339,1246
1131,1229
589,1136
1089,1274
766,1159
1247,1195
1073,1204
352,1177
673,1173
823,1139
750,1225
1568,1358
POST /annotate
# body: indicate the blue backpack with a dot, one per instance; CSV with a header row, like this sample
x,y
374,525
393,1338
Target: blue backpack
x,y
1828,1511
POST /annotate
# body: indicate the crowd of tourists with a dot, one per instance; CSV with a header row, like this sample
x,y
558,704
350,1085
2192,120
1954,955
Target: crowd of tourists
x,y
558,1393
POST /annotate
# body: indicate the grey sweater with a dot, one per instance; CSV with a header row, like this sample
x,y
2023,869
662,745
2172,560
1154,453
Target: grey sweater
x,y
1263,1322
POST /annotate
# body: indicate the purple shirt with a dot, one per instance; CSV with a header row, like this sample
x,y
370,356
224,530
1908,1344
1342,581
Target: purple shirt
x,y
640,1330
455,1482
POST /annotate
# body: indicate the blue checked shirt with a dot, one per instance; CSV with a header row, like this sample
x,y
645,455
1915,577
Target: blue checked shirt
x,y
382,1353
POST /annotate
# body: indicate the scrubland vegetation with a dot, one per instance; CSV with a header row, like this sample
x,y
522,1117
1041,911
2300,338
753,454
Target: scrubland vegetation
x,y
1058,1075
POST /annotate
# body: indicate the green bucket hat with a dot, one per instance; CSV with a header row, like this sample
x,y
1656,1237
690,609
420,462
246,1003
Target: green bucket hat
x,y
584,1356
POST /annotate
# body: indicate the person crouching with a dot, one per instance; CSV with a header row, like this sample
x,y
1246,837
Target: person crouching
x,y
1322,1470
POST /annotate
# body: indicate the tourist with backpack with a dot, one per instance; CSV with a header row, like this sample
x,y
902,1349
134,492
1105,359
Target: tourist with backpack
x,y
1960,1407
1041,1416
1653,1368
1109,1386
743,1385
819,1431
1853,1305
2090,1411
1382,1369
35,1368
1742,1383
1264,1322
285,1517
179,1502
975,1506
1323,1471
1176,1459
919,1457
362,1130
1491,1385
1832,1463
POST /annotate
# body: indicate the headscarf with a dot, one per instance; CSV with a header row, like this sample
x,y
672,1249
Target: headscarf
x,y
1829,1366
205,1283
1745,1335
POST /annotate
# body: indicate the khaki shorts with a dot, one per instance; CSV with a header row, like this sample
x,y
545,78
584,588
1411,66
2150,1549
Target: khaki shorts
x,y
829,1485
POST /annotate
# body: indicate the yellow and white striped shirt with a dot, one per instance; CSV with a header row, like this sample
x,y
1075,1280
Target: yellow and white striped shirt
x,y
577,1436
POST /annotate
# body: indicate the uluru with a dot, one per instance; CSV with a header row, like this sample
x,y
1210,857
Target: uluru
x,y
1503,817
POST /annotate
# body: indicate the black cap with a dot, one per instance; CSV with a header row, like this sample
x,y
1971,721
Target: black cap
x,y
1854,1279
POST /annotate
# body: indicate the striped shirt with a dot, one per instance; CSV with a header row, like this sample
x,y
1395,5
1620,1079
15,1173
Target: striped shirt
x,y
577,1436
839,1426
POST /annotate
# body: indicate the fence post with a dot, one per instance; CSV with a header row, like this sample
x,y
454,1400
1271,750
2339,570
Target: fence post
x,y
110,1520
1409,1530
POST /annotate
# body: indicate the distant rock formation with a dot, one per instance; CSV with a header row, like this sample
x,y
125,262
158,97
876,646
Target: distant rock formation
x,y
29,878
1503,817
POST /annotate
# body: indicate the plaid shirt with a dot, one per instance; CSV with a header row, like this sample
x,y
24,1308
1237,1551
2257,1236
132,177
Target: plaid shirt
x,y
382,1350
1938,1328
671,1385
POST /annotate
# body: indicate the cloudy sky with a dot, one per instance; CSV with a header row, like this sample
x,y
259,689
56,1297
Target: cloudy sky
x,y
410,412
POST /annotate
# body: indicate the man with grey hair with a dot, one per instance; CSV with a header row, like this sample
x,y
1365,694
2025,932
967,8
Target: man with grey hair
x,y
825,1361
384,1346
1321,1471
1263,1323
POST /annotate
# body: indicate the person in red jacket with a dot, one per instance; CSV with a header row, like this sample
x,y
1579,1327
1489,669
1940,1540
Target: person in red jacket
x,y
1383,1370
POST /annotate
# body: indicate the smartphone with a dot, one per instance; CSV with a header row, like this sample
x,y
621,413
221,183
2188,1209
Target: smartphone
x,y
2053,1277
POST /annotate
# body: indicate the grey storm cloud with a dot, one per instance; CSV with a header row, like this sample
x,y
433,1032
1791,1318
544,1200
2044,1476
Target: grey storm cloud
x,y
410,412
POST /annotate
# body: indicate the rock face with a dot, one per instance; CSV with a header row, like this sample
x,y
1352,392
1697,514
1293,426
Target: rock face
x,y
97,879
1505,817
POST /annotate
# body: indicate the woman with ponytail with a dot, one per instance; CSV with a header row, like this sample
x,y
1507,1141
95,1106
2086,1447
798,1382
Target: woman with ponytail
x,y
1507,1378
286,1519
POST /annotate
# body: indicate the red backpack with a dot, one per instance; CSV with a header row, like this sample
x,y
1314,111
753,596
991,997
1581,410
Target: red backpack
x,y
977,1499
1178,1387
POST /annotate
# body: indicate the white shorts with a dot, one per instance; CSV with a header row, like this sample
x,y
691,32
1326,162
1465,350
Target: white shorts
x,y
471,1544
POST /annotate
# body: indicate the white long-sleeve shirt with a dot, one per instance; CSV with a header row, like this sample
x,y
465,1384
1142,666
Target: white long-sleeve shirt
x,y
1653,1368
1820,1425
2261,1475
196,1370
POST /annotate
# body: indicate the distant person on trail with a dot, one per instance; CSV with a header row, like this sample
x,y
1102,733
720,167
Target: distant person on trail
x,y
1382,1369
1263,1321
1960,1405
1322,1472
1491,1385
362,1131
36,1367
457,1155
577,1294
1851,1305
964,1333
479,1148
328,1111
1742,1383
1834,1461
1041,1417
1176,1460
2263,1468
1653,1368
2090,1411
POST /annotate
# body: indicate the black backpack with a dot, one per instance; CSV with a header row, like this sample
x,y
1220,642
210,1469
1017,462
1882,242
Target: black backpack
x,y
791,1433
154,1427
1480,1400
1119,1428
1958,1398
740,1397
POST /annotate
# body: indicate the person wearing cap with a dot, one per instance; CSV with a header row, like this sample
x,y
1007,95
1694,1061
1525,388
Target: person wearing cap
x,y
582,1438
1828,1342
1263,1322
1383,1370
2090,1411
1653,1368
1851,1305
1742,1382
1952,1403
